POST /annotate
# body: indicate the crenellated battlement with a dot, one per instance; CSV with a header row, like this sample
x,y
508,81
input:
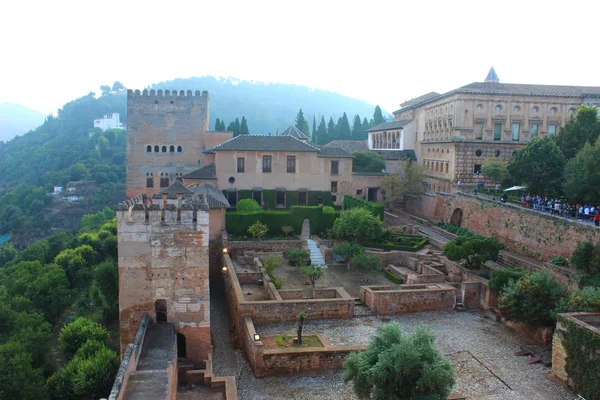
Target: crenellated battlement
x,y
142,209
152,95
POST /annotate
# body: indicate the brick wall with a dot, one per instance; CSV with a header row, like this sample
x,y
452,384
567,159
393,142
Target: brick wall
x,y
239,248
522,231
409,299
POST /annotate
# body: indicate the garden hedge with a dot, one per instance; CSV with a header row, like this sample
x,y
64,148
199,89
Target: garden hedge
x,y
417,243
355,202
268,196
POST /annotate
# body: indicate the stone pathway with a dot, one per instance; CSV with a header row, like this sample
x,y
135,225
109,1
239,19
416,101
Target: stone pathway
x,y
316,258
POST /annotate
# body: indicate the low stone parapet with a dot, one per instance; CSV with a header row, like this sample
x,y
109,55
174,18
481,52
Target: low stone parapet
x,y
382,300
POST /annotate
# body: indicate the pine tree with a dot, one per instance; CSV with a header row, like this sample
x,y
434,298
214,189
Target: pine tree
x,y
301,123
378,116
314,130
217,125
244,127
331,131
321,134
357,129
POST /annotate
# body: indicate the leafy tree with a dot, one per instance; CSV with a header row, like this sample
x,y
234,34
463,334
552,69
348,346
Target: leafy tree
x,y
357,225
106,275
244,127
347,251
368,263
247,205
531,299
258,230
286,229
501,277
473,251
75,334
105,89
7,254
313,273
539,166
495,170
95,376
560,261
77,262
408,183
344,131
357,129
301,122
298,257
581,181
583,300
399,366
582,256
78,170
367,161
117,86
18,378
581,128
378,116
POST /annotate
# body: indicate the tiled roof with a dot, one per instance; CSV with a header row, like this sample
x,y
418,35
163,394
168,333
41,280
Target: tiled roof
x,y
214,197
176,188
264,143
390,125
294,132
421,99
396,154
334,152
209,171
349,145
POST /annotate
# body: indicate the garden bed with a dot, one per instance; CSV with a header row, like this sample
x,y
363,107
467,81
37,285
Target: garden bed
x,y
287,342
236,238
398,242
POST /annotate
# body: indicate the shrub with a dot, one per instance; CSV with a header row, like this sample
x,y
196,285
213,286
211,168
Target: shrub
x,y
457,230
582,256
348,250
532,299
368,263
298,257
560,261
287,230
584,300
247,205
351,202
78,332
392,277
270,263
501,277
258,230
358,225
473,251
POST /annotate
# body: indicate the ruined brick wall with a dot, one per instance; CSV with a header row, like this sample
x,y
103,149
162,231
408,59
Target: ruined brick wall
x,y
168,119
163,255
410,299
521,230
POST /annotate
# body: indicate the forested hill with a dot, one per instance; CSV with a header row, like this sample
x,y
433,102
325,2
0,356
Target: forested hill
x,y
268,107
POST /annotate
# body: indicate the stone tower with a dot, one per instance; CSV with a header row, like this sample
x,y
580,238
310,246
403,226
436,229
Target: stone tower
x,y
165,137
163,270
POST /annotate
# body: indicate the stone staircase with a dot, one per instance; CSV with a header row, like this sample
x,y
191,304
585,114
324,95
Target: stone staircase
x,y
316,258
361,309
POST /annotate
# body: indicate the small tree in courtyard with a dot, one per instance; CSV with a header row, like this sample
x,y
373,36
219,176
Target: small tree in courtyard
x,y
347,251
313,272
301,317
366,262
287,230
357,225
399,366
258,230
473,251
298,257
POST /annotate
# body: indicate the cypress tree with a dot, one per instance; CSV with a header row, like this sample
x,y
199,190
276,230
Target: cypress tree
x,y
217,125
344,131
357,129
365,127
331,131
244,127
321,134
314,130
237,127
378,116
231,128
223,126
301,123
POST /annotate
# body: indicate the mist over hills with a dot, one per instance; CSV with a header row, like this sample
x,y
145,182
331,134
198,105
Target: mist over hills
x,y
268,107
16,119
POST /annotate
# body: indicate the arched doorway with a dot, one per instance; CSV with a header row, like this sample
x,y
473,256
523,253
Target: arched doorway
x,y
457,216
181,346
160,307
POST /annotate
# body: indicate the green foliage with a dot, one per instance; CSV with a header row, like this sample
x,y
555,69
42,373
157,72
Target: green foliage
x,y
7,254
473,251
586,257
367,161
495,170
539,166
560,261
358,225
77,262
457,230
390,275
270,263
77,333
247,205
398,366
90,222
18,378
286,229
584,300
258,230
377,116
532,299
348,250
365,262
581,181
354,202
313,273
298,257
581,128
501,277
394,241
302,123
583,352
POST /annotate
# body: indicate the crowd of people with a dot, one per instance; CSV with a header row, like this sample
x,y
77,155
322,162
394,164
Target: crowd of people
x,y
583,213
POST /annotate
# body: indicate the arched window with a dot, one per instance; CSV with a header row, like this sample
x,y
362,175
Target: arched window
x,y
149,182
156,149
172,149
164,149
164,182
148,149
179,149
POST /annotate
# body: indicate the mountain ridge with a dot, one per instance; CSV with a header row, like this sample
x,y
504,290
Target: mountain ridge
x,y
17,119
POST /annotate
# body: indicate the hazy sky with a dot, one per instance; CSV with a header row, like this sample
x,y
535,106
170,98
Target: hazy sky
x,y
383,52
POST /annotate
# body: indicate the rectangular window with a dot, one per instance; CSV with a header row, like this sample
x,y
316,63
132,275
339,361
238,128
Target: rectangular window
x,y
280,199
359,192
516,132
232,198
535,128
149,182
477,169
447,167
335,167
498,131
266,163
302,198
551,130
291,163
320,201
334,198
479,130
333,187
257,196
240,164
164,182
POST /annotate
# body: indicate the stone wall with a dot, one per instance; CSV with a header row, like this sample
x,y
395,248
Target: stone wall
x,y
521,230
382,300
164,259
239,248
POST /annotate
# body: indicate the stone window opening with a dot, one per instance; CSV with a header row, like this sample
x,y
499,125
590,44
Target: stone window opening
x,y
334,186
447,167
160,308
156,149
267,163
241,167
149,149
164,149
302,198
257,196
478,152
291,164
172,149
279,198
181,346
335,164
497,153
179,149
232,197
149,180
164,181
320,201
359,192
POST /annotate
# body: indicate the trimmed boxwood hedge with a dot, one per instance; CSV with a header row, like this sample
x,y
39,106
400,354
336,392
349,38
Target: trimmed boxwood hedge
x,y
391,242
355,202
393,277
